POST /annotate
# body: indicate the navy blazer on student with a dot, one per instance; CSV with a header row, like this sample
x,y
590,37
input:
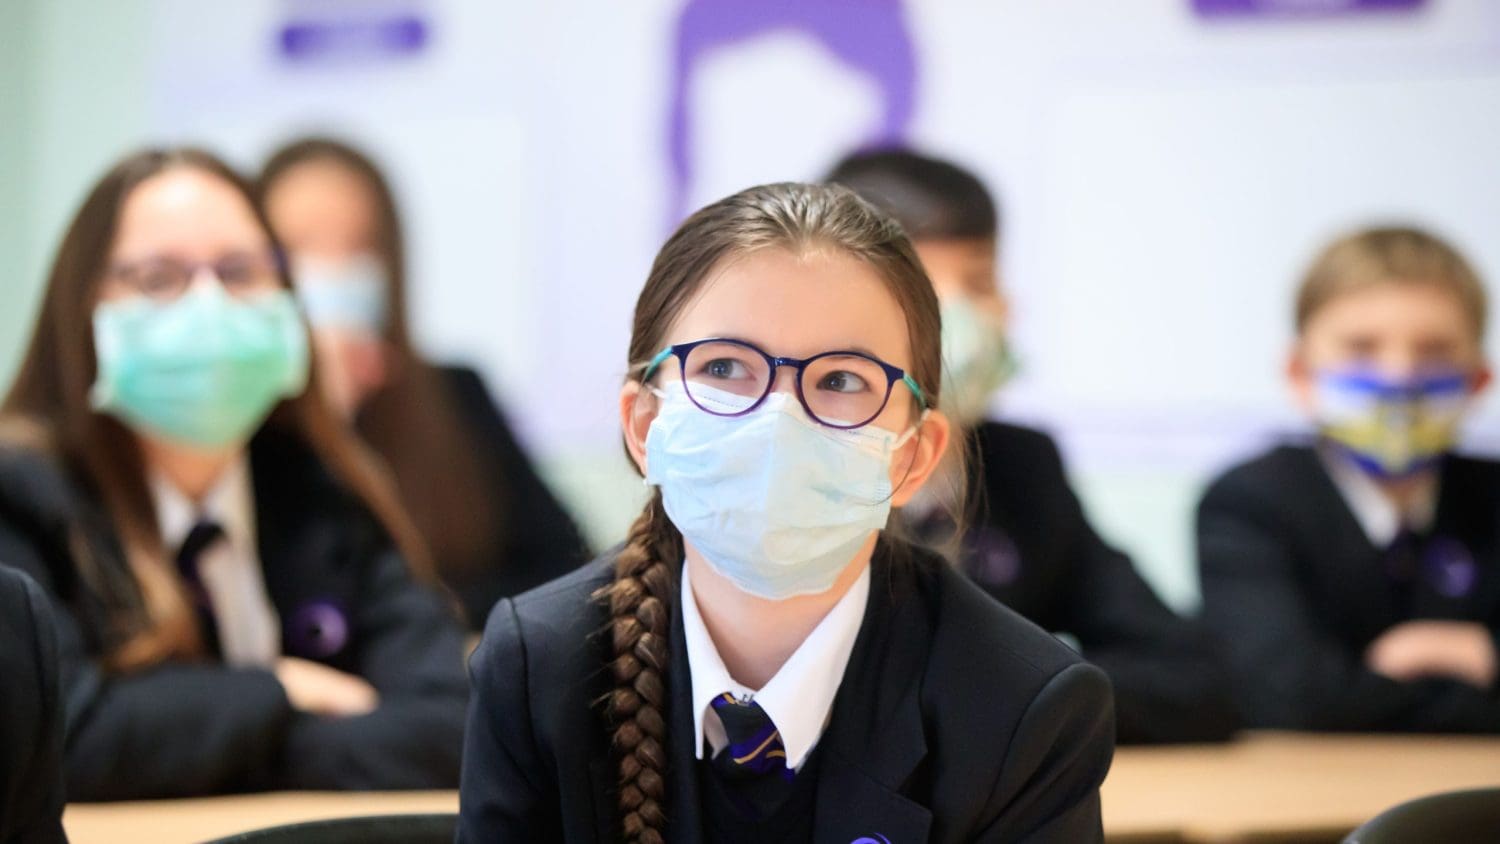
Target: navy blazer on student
x,y
956,720
344,598
538,540
31,725
1031,546
1297,592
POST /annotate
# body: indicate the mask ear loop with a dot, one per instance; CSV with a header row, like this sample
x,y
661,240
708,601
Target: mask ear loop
x,y
914,431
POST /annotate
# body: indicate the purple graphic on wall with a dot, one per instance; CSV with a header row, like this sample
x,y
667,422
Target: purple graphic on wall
x,y
1282,8
869,37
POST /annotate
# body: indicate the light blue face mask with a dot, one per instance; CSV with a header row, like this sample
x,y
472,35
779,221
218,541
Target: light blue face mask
x,y
202,370
774,501
349,294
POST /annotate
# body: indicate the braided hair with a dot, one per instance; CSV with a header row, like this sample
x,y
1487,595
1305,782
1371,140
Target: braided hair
x,y
798,218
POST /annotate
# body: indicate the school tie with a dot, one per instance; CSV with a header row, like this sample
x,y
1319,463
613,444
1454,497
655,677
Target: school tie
x,y
753,766
1403,565
203,535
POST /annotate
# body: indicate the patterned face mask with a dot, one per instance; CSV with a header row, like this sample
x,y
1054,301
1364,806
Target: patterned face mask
x,y
1391,427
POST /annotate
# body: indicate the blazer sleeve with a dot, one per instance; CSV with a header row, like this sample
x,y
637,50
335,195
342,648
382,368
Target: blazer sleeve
x,y
503,796
1048,789
542,541
31,788
170,731
1169,681
1287,669
412,653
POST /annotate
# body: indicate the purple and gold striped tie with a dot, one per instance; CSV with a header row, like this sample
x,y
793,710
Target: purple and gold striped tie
x,y
754,763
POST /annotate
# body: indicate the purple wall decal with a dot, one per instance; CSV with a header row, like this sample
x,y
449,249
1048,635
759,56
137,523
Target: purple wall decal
x,y
1285,8
869,37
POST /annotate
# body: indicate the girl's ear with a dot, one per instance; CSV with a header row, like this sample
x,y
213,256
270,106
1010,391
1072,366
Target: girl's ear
x,y
638,408
922,455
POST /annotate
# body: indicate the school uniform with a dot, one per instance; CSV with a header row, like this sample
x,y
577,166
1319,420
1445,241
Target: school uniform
x,y
1304,565
538,539
332,590
954,720
31,725
1030,546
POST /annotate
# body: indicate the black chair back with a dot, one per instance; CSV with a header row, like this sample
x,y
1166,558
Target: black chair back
x,y
377,829
1459,817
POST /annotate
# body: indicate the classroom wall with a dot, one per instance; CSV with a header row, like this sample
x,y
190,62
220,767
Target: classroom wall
x,y
1164,175
73,94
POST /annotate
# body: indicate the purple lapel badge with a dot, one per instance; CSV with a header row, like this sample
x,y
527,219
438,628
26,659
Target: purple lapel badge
x,y
1450,568
318,629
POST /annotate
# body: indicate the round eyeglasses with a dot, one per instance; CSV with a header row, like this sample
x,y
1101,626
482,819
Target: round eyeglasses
x,y
838,389
166,279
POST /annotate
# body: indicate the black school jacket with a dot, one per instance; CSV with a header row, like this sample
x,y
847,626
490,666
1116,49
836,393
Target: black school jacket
x,y
1297,592
1030,545
344,598
538,540
956,720
31,724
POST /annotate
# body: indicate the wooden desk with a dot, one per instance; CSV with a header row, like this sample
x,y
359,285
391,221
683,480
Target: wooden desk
x,y
203,819
1284,786
1267,786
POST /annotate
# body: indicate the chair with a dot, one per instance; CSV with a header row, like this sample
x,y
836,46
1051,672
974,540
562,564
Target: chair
x,y
378,829
1458,817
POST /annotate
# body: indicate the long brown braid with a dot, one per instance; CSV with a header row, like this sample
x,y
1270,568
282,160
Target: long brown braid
x,y
799,218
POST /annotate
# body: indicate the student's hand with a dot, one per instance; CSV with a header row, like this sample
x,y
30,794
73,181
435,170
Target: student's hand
x,y
1460,649
316,688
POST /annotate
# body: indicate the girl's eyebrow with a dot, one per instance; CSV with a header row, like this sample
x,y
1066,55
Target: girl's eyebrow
x,y
852,347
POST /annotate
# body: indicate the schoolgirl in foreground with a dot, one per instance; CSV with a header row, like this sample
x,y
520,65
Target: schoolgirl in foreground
x,y
759,661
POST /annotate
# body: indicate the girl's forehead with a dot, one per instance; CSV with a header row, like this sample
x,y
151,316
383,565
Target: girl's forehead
x,y
797,305
187,213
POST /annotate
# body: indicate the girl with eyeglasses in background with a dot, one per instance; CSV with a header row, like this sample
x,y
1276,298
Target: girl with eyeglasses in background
x,y
238,589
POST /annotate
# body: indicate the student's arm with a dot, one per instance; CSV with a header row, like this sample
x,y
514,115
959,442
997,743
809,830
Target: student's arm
x,y
170,731
411,651
504,795
1048,790
1169,682
1287,669
31,792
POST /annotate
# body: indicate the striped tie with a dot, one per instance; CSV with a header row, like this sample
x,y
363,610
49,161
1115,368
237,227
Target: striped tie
x,y
754,763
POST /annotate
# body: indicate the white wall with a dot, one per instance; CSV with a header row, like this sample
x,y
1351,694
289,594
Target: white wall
x,y
1164,178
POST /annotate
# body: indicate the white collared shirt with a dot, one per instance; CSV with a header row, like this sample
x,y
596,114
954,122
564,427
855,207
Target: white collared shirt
x,y
799,698
249,632
1376,513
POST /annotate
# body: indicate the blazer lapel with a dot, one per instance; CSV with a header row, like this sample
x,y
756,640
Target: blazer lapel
x,y
684,809
875,741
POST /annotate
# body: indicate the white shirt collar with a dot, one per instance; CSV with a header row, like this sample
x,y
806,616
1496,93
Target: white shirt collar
x,y
248,630
229,502
1377,514
799,698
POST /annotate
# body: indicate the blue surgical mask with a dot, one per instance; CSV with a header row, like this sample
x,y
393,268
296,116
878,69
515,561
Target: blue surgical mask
x,y
1391,427
775,502
977,359
350,294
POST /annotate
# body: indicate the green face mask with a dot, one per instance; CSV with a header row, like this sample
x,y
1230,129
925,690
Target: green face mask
x,y
203,370
977,360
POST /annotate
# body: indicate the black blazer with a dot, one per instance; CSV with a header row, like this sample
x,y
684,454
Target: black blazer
x,y
539,541
1030,545
344,598
956,720
31,725
1297,592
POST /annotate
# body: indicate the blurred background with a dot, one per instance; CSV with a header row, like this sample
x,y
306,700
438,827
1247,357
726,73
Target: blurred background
x,y
1165,167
